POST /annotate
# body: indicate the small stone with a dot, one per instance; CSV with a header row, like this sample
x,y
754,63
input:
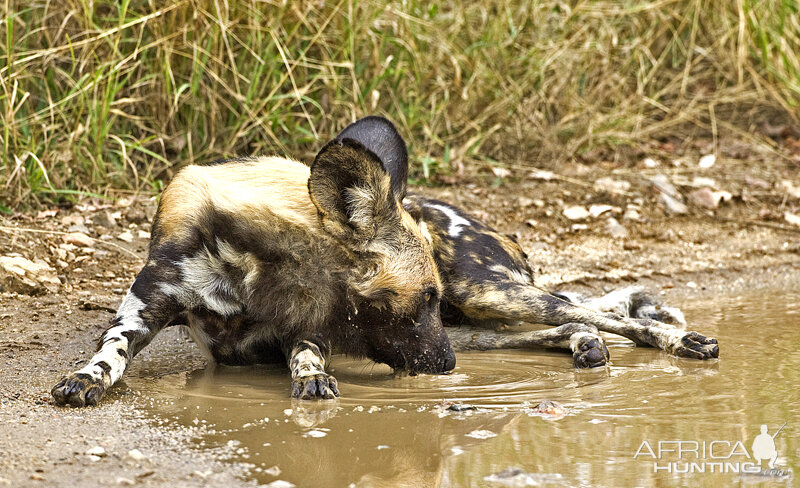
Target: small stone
x,y
789,187
672,205
707,161
632,214
524,202
280,484
541,174
136,455
78,228
793,219
548,407
72,220
703,197
461,407
126,236
37,477
135,215
79,239
701,181
650,163
706,198
756,182
610,185
96,451
22,275
531,223
631,246
598,210
481,434
501,172
663,185
576,212
104,219
273,471
142,234
615,229
125,481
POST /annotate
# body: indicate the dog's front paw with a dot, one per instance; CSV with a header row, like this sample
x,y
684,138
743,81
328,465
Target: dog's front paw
x,y
590,352
315,386
693,345
78,390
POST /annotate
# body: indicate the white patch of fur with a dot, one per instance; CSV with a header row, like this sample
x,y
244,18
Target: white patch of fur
x,y
514,275
423,228
246,262
457,222
617,301
129,320
309,364
204,281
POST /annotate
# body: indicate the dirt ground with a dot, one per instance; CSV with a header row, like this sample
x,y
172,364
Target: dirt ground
x,y
737,234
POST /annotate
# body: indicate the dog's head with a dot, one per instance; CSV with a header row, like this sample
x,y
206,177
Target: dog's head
x,y
394,282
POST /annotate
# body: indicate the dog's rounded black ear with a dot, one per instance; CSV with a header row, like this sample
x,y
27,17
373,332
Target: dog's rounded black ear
x,y
352,191
381,137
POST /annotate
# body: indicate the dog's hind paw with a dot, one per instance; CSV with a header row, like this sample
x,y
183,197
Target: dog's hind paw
x,y
316,386
590,351
78,390
692,345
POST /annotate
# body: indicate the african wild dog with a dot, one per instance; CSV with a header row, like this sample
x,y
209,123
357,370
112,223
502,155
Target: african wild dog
x,y
488,281
266,259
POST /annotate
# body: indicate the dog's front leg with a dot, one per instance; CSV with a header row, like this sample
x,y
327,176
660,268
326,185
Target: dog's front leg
x,y
588,348
309,379
144,311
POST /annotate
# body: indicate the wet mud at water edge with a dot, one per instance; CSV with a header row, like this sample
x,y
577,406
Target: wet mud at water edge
x,y
398,431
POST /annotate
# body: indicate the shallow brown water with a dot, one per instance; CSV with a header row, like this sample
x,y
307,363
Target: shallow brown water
x,y
389,431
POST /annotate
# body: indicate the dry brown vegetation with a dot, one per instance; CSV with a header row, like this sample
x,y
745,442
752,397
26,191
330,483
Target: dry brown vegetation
x,y
101,95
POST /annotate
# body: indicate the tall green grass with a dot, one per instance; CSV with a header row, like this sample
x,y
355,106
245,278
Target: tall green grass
x,y
98,95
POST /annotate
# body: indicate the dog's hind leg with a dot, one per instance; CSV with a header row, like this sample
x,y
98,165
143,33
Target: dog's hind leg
x,y
588,348
631,301
526,303
487,277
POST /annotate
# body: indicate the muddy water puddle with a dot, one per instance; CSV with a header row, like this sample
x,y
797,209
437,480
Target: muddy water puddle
x,y
643,421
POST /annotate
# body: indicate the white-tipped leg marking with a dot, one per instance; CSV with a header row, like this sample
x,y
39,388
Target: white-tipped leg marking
x,y
309,379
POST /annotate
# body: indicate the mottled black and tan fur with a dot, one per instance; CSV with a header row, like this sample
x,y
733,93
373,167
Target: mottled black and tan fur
x,y
268,259
488,282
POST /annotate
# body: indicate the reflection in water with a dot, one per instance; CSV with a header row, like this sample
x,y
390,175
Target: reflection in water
x,y
389,431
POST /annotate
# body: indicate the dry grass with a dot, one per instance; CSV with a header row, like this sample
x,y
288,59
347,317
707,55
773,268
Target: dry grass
x,y
96,95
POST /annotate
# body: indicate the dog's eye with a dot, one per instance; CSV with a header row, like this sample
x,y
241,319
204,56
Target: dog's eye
x,y
427,296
